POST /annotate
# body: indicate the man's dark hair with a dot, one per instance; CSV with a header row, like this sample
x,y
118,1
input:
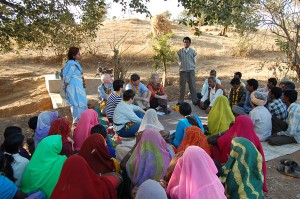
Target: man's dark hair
x,y
187,38
185,109
238,74
32,122
235,81
253,83
134,77
72,52
291,94
11,130
273,81
99,128
289,85
118,84
128,94
277,92
213,71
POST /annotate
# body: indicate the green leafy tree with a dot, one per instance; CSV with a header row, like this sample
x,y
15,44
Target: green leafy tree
x,y
57,24
163,54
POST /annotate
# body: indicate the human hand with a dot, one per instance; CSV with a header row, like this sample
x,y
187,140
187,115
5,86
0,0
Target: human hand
x,y
207,110
145,100
163,97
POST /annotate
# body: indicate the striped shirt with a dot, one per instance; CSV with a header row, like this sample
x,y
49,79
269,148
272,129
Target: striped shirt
x,y
187,61
112,102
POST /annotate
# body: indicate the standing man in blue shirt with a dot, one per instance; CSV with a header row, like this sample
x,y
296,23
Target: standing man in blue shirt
x,y
187,64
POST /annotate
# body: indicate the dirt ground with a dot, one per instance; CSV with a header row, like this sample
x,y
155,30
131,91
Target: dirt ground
x,y
23,92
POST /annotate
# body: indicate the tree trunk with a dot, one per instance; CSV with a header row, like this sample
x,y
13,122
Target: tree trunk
x,y
164,74
224,30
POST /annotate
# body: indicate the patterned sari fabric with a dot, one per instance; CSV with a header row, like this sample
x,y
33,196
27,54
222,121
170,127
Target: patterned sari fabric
x,y
77,180
150,159
243,127
88,119
94,150
243,175
220,116
195,177
194,136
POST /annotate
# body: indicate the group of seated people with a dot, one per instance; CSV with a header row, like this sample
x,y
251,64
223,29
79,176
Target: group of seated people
x,y
224,159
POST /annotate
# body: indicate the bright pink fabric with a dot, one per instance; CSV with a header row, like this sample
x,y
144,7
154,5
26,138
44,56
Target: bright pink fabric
x,y
243,127
88,119
195,177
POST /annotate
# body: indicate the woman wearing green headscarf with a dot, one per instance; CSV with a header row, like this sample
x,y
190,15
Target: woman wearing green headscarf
x,y
242,174
220,116
43,170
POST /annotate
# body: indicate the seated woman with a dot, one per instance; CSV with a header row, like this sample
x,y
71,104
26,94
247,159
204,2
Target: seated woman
x,y
243,127
220,116
104,90
96,154
43,125
99,128
185,110
148,159
62,127
78,180
12,145
194,137
7,189
88,119
195,176
44,168
242,174
150,121
127,116
150,189
158,94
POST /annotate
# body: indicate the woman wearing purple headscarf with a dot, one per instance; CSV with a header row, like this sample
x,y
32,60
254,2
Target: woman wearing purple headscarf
x,y
43,125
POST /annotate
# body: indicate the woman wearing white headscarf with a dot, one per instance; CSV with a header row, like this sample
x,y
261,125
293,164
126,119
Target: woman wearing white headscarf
x,y
150,121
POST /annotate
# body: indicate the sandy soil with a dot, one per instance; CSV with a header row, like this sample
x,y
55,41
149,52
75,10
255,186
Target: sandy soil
x,y
23,92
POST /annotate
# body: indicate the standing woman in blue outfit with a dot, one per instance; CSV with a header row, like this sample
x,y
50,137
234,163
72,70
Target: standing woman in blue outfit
x,y
74,85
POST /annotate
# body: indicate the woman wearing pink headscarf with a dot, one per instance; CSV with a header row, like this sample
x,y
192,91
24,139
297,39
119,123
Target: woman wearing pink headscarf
x,y
88,119
195,177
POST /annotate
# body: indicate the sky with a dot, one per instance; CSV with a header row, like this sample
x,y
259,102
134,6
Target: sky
x,y
155,7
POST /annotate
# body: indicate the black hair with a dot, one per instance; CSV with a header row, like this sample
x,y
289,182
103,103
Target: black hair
x,y
72,52
11,130
5,165
187,38
273,81
128,94
238,74
134,77
32,122
213,71
277,92
235,81
99,128
118,84
253,83
212,78
289,85
185,109
291,94
13,143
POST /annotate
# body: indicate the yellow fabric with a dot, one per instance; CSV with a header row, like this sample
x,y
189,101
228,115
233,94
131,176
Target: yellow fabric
x,y
220,116
117,165
102,104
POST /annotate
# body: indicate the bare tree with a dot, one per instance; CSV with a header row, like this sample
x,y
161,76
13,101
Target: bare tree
x,y
122,61
283,19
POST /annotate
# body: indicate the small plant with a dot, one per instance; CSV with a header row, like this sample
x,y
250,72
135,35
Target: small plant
x,y
163,54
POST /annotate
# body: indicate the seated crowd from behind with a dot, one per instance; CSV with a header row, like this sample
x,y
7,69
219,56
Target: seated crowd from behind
x,y
193,162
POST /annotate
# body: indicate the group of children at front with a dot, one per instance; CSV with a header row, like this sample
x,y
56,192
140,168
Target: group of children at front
x,y
224,160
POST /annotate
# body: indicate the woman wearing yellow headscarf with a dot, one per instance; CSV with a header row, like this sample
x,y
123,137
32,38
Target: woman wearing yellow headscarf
x,y
220,116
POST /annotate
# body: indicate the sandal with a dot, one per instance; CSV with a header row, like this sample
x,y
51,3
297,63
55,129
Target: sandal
x,y
291,163
287,170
